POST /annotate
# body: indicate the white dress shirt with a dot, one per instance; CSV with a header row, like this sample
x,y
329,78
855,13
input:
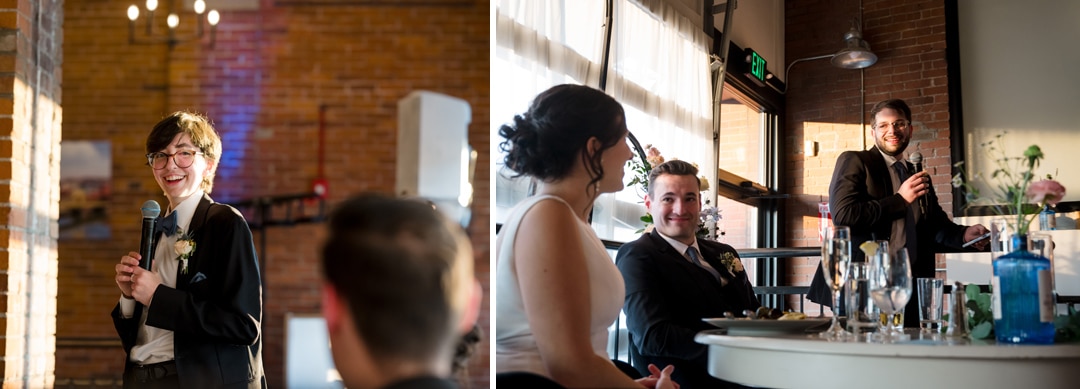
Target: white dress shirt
x,y
681,248
154,344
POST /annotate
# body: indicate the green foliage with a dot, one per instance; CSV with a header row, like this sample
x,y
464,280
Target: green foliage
x,y
647,219
1067,327
981,321
1011,177
640,169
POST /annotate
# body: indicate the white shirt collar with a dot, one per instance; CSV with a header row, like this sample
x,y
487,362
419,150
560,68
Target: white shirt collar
x,y
186,210
680,246
890,160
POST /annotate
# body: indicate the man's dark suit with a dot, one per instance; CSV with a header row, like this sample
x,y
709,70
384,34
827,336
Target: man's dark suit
x,y
215,310
862,197
666,298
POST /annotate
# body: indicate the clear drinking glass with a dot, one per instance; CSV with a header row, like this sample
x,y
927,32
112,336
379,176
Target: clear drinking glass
x,y
890,286
862,314
835,260
931,300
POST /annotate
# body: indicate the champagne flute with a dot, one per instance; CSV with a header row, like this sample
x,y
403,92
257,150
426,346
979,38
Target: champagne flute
x,y
835,261
890,287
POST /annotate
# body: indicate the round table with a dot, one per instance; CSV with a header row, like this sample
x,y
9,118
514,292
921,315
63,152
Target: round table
x,y
926,361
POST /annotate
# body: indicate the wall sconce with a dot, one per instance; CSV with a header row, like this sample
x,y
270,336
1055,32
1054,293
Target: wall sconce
x,y
173,21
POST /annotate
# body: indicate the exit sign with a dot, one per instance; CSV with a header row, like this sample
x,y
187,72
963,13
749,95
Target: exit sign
x,y
757,66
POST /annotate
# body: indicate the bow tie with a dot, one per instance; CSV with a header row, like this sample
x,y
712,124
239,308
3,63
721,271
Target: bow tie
x,y
166,224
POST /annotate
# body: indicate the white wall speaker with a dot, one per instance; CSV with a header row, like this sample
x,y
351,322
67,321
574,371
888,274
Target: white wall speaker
x,y
433,153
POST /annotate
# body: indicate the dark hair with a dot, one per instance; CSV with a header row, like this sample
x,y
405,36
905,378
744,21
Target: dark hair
x,y
896,104
202,135
544,141
405,271
673,167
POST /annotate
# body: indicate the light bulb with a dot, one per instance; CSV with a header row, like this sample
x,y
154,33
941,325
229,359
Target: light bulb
x,y
213,17
151,5
200,6
133,13
173,20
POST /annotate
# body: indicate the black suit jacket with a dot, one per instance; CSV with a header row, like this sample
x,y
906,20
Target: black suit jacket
x,y
215,311
666,298
861,196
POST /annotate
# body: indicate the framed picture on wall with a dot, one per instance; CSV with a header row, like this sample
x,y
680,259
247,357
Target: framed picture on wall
x,y
85,187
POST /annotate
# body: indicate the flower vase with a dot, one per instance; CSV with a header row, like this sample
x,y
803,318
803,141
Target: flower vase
x,y
1023,296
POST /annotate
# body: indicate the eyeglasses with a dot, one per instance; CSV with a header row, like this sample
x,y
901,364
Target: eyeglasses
x,y
899,125
182,159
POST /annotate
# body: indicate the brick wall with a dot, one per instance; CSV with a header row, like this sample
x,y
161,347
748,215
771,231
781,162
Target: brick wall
x,y
263,83
823,102
30,42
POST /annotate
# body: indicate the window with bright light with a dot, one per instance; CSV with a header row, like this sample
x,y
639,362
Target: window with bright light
x,y
658,71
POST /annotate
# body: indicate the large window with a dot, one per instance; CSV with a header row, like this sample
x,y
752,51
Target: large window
x,y
658,70
539,44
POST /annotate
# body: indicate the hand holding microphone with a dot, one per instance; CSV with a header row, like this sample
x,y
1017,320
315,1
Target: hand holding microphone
x,y
916,158
150,212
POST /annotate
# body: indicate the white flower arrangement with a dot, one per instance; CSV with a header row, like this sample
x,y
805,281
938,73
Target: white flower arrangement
x,y
185,247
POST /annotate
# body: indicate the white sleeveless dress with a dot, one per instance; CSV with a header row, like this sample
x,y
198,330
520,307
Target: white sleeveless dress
x,y
515,347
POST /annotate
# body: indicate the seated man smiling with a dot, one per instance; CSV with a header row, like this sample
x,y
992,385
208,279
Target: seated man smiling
x,y
673,280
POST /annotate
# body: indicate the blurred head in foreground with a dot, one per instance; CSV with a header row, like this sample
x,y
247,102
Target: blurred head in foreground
x,y
399,290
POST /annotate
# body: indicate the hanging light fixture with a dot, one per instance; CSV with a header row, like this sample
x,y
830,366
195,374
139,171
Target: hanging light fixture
x,y
856,53
173,22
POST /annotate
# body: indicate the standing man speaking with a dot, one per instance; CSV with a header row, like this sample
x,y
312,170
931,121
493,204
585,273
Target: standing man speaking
x,y
879,194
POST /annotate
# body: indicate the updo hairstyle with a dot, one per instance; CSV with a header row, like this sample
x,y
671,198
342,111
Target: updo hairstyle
x,y
545,141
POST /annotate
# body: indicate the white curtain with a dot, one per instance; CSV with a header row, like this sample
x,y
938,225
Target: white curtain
x,y
539,44
659,71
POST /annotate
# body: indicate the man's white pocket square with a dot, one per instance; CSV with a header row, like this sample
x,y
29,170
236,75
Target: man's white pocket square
x,y
198,277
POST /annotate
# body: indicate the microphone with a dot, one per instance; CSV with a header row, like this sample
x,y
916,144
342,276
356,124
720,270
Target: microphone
x,y
150,212
916,159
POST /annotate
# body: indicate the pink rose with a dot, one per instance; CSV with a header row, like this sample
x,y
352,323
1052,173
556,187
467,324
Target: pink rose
x,y
1048,191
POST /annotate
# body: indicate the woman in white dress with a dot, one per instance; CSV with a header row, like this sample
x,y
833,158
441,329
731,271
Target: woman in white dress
x,y
557,290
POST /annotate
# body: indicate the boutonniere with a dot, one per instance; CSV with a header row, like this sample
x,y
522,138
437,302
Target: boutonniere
x,y
731,262
184,246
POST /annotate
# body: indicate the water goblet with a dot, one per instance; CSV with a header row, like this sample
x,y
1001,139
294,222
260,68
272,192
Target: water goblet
x,y
835,261
890,287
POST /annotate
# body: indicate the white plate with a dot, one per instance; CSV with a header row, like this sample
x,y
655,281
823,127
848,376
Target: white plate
x,y
765,326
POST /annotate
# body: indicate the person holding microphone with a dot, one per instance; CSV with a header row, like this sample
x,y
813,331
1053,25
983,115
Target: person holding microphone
x,y
879,195
194,319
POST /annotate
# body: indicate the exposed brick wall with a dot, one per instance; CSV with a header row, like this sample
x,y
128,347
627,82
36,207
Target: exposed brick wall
x,y
823,102
263,84
30,42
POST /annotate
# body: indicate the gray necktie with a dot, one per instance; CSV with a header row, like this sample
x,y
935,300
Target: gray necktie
x,y
696,259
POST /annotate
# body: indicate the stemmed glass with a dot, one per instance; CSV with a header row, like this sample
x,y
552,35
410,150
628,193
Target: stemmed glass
x,y
890,287
835,263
